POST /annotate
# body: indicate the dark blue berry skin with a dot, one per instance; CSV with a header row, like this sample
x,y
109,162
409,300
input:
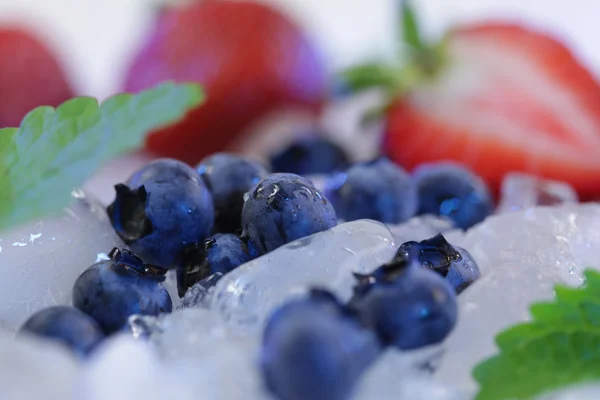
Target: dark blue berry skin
x,y
313,349
110,291
378,190
283,208
163,209
453,263
66,325
413,309
217,256
224,253
228,177
452,191
309,155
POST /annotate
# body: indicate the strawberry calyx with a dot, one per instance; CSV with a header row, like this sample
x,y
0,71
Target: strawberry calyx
x,y
421,63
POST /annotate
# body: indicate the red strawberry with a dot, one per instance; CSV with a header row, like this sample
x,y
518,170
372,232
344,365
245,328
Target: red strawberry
x,y
30,76
250,59
500,98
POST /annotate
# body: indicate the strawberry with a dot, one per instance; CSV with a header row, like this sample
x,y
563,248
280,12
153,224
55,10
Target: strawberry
x,y
30,76
497,97
251,60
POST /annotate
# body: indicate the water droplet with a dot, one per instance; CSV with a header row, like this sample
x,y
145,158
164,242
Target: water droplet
x,y
19,244
272,195
33,237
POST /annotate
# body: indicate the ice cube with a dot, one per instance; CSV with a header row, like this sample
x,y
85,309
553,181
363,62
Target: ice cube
x,y
395,375
523,255
420,228
248,294
199,294
496,301
41,260
125,368
544,235
170,283
34,369
520,191
583,391
203,351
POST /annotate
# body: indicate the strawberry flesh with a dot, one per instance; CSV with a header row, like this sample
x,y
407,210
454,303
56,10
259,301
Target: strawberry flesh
x,y
509,99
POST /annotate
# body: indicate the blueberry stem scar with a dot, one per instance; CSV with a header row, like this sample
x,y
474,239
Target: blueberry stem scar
x,y
128,213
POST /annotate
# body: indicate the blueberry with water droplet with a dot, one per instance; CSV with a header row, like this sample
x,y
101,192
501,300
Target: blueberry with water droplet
x,y
309,155
415,307
450,190
229,177
314,349
66,325
111,291
378,190
163,208
283,208
453,263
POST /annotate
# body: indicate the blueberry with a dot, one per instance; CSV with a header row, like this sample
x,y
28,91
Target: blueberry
x,y
110,291
313,349
309,155
229,177
453,263
450,190
66,325
219,254
283,208
164,208
414,308
378,190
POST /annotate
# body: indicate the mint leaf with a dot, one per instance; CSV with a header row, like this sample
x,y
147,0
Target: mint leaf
x,y
410,29
560,346
56,150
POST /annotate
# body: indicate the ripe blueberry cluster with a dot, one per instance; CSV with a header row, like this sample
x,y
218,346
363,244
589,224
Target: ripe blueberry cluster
x,y
206,221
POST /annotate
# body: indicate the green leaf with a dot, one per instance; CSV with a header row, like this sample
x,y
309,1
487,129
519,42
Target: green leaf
x,y
410,29
368,76
560,346
56,150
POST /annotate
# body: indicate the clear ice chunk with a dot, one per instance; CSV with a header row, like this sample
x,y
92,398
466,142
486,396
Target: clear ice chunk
x,y
170,283
36,369
40,261
523,255
398,375
420,228
199,294
584,391
521,191
248,294
124,368
491,304
208,355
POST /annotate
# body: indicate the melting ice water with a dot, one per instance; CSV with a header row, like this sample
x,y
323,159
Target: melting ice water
x,y
40,261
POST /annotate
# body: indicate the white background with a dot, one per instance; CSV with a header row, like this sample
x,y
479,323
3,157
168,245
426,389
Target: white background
x,y
96,38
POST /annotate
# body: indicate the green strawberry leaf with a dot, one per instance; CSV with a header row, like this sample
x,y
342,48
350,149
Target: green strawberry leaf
x,y
560,346
410,29
368,76
56,150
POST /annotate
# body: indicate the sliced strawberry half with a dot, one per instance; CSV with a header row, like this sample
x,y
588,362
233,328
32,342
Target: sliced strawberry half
x,y
502,98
